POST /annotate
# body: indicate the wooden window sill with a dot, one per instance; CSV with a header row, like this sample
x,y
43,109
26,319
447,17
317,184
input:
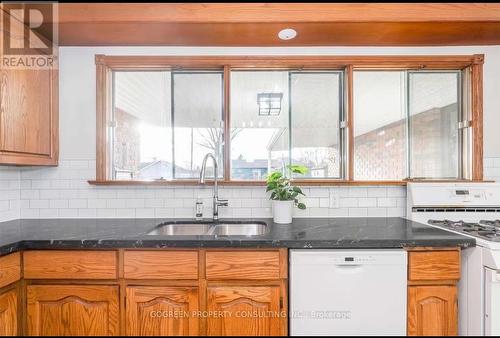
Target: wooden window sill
x,y
262,183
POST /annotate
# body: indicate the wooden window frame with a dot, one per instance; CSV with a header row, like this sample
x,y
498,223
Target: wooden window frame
x,y
105,64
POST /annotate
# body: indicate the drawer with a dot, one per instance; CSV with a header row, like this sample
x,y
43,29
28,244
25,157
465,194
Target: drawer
x,y
10,269
69,264
243,265
161,264
434,265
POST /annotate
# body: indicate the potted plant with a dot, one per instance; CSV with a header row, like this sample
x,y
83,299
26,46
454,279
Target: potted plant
x,y
283,194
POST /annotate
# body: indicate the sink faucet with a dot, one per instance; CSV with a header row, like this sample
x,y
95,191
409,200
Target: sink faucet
x,y
217,202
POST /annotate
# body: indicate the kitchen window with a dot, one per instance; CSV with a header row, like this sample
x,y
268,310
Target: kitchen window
x,y
163,122
348,119
311,104
407,125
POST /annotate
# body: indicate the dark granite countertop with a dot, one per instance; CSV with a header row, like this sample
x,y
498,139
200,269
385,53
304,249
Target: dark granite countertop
x,y
302,233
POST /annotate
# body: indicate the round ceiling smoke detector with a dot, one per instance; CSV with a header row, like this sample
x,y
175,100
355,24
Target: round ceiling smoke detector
x,y
287,34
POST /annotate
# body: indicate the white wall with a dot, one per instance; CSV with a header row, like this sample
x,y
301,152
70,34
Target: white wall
x,y
64,192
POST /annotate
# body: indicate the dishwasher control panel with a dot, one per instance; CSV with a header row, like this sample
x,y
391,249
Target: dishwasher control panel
x,y
354,259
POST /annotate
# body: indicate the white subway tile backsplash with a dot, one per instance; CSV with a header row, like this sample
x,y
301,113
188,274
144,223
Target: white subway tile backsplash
x,y
349,202
65,192
183,193
96,203
386,202
311,202
376,191
324,202
125,213
115,203
341,212
106,213
492,168
367,202
68,213
153,203
358,192
318,212
242,212
358,212
376,212
145,213
49,213
184,212
58,204
78,204
164,212
89,213
317,192
38,204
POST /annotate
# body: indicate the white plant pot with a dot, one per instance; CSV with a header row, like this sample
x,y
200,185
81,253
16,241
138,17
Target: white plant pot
x,y
282,211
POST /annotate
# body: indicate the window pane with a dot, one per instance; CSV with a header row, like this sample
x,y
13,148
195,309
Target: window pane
x,y
198,122
142,132
259,123
434,125
315,114
379,125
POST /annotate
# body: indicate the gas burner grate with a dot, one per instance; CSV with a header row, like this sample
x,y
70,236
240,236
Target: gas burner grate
x,y
494,223
486,229
456,209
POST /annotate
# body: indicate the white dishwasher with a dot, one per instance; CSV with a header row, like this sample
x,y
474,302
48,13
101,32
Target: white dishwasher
x,y
354,292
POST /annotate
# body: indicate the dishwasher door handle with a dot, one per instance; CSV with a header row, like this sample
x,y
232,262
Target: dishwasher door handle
x,y
348,268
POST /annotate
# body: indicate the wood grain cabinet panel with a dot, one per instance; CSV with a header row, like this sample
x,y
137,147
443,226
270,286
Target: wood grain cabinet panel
x,y
8,313
434,265
10,269
72,310
245,265
29,116
244,311
162,311
161,264
432,311
68,264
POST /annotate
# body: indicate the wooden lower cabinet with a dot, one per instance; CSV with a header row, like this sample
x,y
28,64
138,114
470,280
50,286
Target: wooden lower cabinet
x,y
69,310
8,313
162,311
222,292
244,311
432,310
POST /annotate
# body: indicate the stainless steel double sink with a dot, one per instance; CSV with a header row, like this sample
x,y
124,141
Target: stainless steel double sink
x,y
201,228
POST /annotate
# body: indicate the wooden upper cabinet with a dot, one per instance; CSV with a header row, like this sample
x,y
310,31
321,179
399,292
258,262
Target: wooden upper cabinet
x,y
29,117
8,313
244,311
72,310
29,113
162,311
432,310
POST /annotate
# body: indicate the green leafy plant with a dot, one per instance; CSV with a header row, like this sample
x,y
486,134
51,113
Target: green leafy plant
x,y
281,188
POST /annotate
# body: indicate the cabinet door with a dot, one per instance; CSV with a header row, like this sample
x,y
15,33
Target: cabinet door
x,y
432,310
244,311
8,313
69,310
28,117
162,311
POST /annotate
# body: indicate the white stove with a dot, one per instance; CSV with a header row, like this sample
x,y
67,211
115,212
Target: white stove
x,y
470,209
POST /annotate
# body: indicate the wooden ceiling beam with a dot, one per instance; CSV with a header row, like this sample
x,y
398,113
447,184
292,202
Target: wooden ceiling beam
x,y
277,12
